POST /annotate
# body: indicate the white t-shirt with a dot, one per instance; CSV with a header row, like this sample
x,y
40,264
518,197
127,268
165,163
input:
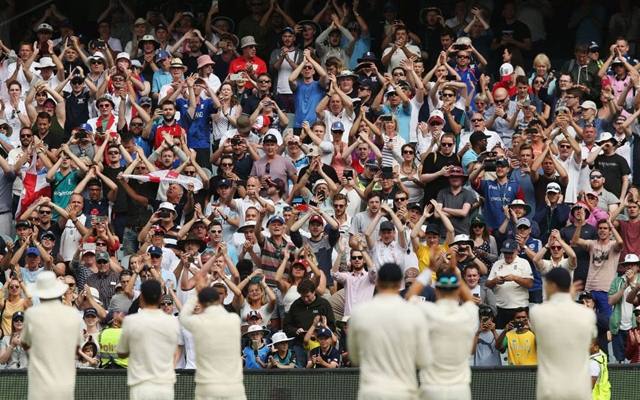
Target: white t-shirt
x,y
573,171
344,117
70,238
510,294
283,74
399,55
413,121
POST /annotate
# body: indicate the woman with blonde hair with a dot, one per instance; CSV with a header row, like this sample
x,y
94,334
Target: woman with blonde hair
x,y
542,70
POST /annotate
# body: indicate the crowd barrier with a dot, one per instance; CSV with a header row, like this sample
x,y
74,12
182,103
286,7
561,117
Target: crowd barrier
x,y
503,383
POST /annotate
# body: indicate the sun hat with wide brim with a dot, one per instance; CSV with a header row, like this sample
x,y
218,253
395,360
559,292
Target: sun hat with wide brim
x,y
48,286
518,202
254,329
280,337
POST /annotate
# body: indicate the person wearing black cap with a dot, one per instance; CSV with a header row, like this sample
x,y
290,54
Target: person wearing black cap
x,y
452,322
273,164
373,339
564,331
12,355
478,141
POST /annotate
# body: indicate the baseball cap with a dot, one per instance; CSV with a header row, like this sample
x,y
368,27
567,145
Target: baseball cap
x,y
276,218
162,54
270,138
90,312
316,219
145,100
23,224
47,234
372,164
553,187
102,256
414,206
17,315
167,206
436,114
225,182
477,137
33,251
154,250
631,259
594,46
432,228
503,162
323,332
509,246
506,69
589,105
288,29
387,226
337,126
523,222
261,122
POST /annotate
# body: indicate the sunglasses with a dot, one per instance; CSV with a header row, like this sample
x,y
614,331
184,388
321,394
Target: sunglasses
x,y
101,244
595,177
217,232
446,144
189,172
25,136
307,67
14,287
44,212
565,146
166,303
448,94
113,153
137,124
407,152
401,199
556,247
463,57
226,164
477,120
264,81
95,62
357,257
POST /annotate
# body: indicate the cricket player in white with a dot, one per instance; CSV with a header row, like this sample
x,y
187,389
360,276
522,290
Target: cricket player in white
x,y
564,330
452,327
388,339
216,334
52,336
150,340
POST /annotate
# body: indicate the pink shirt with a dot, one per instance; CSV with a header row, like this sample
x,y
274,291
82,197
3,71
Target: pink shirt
x,y
603,263
358,286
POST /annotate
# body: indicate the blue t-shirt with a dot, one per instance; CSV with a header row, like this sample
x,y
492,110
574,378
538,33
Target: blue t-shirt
x,y
160,78
403,115
496,196
361,46
526,184
307,96
534,245
250,357
199,127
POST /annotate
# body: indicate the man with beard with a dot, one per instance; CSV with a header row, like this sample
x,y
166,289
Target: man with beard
x,y
168,126
437,165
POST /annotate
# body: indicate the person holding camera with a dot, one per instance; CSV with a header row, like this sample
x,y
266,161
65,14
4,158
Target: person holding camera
x,y
518,340
484,351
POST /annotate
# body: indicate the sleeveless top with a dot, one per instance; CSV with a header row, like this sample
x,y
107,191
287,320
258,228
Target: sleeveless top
x,y
263,310
289,297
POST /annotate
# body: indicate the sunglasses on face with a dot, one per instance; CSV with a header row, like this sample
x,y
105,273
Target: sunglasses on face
x,y
401,199
407,152
217,232
565,146
113,153
595,177
264,81
446,144
448,94
476,120
357,257
137,124
556,247
166,303
45,212
14,287
25,136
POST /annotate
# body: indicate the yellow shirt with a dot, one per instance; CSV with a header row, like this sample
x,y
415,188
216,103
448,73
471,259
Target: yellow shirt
x,y
521,348
424,255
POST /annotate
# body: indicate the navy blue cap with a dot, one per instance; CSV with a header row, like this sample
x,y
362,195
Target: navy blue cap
x,y
509,246
337,126
276,218
271,138
432,228
387,226
372,164
225,182
323,332
368,56
154,250
288,29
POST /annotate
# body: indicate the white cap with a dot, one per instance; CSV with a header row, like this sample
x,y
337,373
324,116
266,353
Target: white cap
x,y
553,187
98,54
318,182
436,114
167,206
589,104
631,259
123,54
506,69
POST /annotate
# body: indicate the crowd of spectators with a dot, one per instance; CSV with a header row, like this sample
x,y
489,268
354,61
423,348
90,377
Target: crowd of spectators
x,y
292,152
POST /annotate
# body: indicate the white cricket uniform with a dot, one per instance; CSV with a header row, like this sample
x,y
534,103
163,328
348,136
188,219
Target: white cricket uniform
x,y
564,331
389,339
52,331
216,334
150,337
451,330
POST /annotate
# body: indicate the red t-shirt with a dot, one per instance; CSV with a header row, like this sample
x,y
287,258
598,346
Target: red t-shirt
x,y
240,64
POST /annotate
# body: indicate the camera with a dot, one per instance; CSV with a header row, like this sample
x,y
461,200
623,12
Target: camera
x,y
164,214
518,324
348,174
81,134
488,161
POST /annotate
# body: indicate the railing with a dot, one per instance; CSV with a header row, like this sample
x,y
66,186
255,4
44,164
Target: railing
x,y
503,383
